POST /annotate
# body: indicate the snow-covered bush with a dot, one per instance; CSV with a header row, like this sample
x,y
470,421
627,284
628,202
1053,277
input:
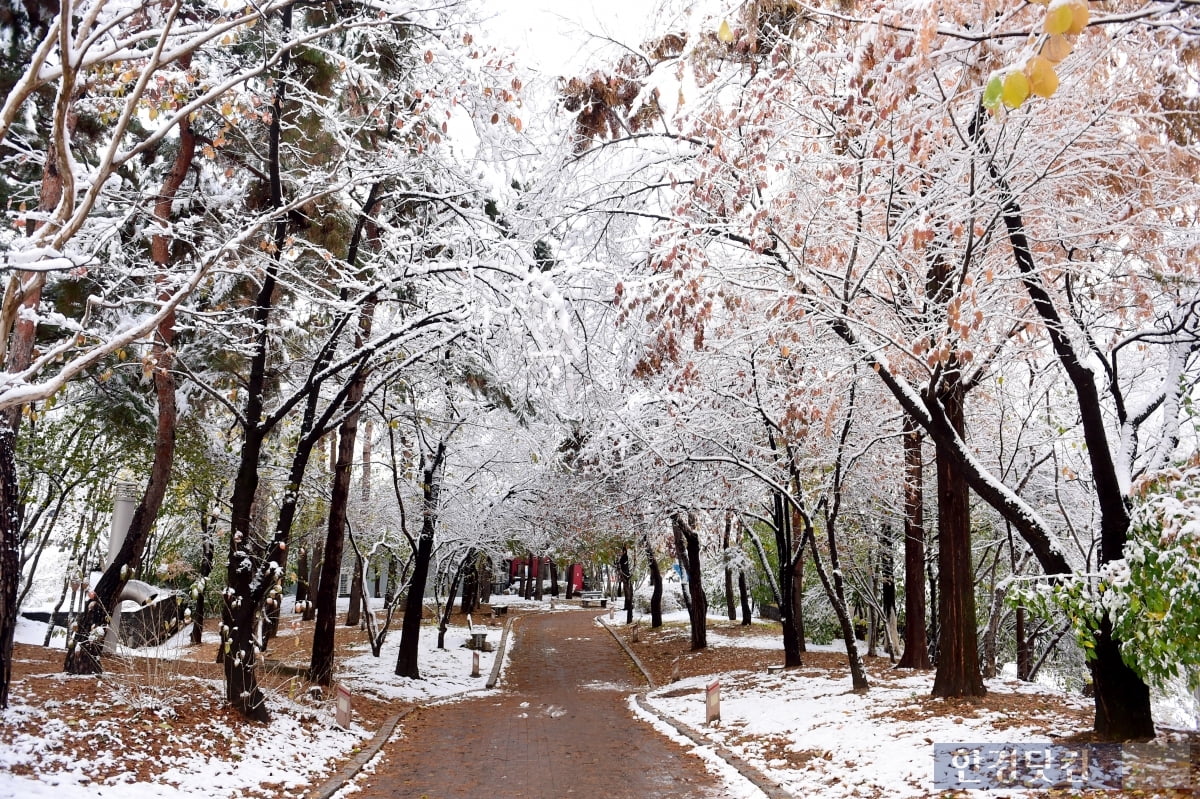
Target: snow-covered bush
x,y
1152,595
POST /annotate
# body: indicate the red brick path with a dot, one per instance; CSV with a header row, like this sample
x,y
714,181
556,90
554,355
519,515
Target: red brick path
x,y
558,726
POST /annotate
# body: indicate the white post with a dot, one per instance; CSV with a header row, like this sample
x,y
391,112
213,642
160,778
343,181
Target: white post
x,y
124,501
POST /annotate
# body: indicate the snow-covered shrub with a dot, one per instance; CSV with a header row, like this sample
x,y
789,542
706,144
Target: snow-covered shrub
x,y
1152,595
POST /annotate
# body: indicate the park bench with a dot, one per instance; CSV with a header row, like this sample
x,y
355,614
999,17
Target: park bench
x,y
591,599
478,639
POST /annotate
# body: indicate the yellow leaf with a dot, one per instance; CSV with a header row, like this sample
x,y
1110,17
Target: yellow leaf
x,y
1058,19
1043,80
1016,89
1056,48
725,33
1079,16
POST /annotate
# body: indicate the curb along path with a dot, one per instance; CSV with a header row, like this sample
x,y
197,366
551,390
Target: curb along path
x,y
558,726
771,788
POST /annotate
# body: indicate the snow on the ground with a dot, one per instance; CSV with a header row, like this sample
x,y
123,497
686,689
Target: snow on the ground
x,y
814,736
297,751
847,743
808,732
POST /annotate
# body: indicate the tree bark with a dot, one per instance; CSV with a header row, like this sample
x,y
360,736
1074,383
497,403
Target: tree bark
x,y
84,649
656,583
444,625
314,580
320,668
208,552
887,566
11,512
302,575
625,570
916,646
354,612
744,590
798,599
414,606
958,641
688,541
785,547
18,330
470,592
730,602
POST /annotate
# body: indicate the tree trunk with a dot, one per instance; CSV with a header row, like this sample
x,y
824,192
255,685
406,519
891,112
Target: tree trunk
x,y
744,590
656,583
83,651
784,540
730,602
958,672
208,552
1122,697
1024,648
444,625
314,580
916,646
625,569
553,578
887,564
354,612
688,542
470,591
798,600
320,668
18,332
358,598
11,513
302,575
414,606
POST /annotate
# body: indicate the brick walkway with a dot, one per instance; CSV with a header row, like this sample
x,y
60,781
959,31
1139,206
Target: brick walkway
x,y
559,726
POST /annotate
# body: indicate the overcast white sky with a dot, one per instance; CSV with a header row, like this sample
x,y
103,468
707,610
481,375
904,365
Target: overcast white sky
x,y
558,36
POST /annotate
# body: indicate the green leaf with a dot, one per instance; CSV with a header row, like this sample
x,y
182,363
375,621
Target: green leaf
x,y
991,94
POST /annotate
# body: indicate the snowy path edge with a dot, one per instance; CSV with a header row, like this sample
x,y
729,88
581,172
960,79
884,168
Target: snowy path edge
x,y
768,786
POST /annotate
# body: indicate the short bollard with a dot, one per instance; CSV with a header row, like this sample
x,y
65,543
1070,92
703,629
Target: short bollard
x,y
712,702
475,663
